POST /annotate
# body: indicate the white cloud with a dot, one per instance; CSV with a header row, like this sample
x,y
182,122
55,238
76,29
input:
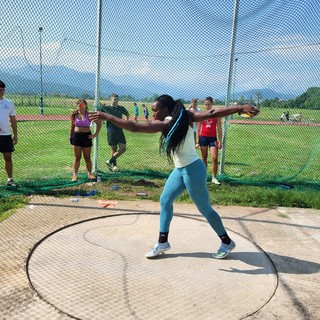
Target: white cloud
x,y
294,46
143,69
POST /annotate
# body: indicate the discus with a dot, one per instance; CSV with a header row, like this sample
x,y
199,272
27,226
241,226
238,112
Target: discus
x,y
245,115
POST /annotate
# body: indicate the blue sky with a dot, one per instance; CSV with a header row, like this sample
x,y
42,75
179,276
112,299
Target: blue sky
x,y
182,43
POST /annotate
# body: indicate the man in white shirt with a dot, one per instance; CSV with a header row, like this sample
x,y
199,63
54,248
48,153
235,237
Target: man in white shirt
x,y
7,141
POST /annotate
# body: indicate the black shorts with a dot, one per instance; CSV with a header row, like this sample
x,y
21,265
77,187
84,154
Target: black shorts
x,y
115,137
6,144
81,139
207,141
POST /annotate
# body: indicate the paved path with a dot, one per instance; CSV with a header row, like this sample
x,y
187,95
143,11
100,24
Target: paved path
x,y
76,260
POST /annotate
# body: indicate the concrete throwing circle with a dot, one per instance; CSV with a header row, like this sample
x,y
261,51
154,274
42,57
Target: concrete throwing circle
x,y
96,269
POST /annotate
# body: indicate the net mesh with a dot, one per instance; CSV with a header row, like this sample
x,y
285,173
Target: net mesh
x,y
181,48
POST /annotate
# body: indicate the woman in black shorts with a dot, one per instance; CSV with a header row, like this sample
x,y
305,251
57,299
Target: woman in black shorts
x,y
81,138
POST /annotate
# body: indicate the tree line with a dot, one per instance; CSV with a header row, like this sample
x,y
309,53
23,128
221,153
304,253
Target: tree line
x,y
310,99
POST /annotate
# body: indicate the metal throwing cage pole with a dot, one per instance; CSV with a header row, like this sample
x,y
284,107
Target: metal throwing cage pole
x,y
97,84
41,105
227,101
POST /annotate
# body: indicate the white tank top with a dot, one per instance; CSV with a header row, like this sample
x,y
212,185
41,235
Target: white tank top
x,y
186,153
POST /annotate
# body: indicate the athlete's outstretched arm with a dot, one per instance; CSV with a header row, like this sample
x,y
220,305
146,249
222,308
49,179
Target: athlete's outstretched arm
x,y
224,112
145,127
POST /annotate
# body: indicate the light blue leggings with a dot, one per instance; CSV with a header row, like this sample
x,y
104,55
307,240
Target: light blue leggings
x,y
193,178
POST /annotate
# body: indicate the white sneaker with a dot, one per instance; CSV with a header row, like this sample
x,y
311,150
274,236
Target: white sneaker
x,y
11,183
215,181
224,250
110,165
115,169
158,249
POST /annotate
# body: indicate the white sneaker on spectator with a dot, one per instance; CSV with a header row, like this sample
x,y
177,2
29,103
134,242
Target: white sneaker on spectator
x,y
215,181
110,165
11,183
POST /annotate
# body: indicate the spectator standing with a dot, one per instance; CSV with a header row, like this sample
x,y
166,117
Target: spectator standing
x,y
115,135
287,116
81,138
7,140
146,112
135,111
207,139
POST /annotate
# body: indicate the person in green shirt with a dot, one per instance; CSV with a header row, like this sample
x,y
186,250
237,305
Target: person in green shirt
x,y
115,135
135,111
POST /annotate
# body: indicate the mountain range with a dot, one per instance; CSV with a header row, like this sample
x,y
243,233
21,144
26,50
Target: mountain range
x,y
67,81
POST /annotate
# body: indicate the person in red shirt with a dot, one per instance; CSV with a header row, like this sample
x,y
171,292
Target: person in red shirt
x,y
209,136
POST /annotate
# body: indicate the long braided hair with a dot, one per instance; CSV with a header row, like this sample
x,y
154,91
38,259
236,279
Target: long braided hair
x,y
176,130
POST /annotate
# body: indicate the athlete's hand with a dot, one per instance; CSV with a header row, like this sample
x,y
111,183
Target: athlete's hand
x,y
249,110
97,116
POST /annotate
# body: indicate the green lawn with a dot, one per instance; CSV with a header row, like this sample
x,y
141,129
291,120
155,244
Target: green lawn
x,y
253,152
279,153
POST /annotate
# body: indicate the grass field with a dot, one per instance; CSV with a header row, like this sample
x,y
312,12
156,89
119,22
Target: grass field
x,y
253,152
261,153
273,153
